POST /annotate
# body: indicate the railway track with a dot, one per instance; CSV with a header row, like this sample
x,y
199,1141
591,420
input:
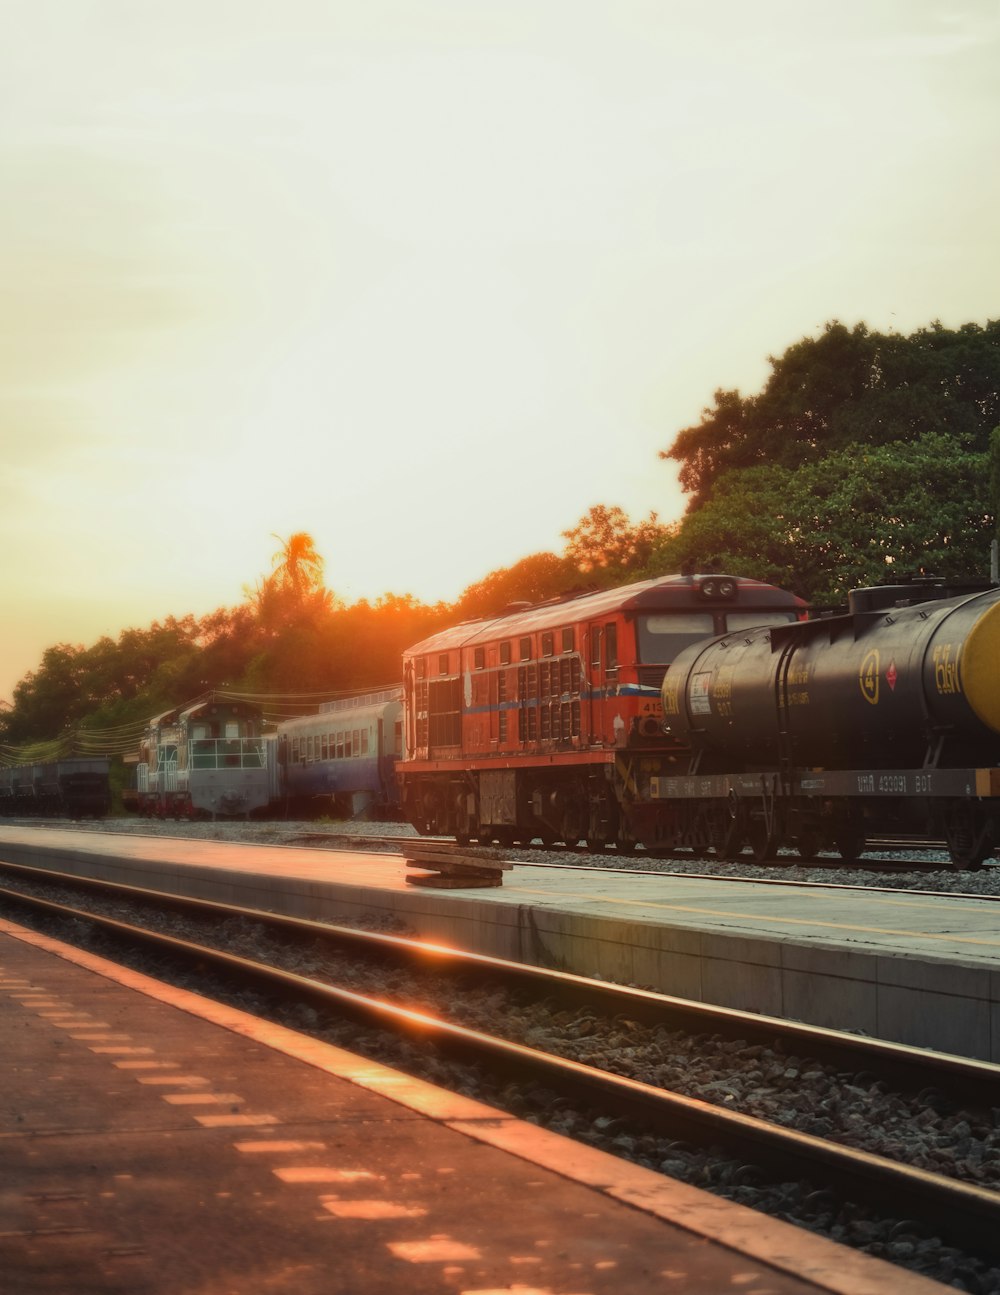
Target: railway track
x,y
752,1151
584,862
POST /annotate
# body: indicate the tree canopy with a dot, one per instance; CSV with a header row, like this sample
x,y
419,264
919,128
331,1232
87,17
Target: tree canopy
x,y
854,517
844,388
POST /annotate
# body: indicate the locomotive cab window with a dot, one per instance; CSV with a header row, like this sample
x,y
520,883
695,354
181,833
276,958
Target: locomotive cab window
x,y
479,658
662,637
610,648
505,652
548,645
567,640
525,649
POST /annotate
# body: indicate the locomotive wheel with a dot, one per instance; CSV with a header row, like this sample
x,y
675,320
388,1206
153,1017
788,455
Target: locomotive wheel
x,y
463,833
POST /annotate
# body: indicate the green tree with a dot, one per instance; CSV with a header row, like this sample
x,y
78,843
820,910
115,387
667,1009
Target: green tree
x,y
854,517
608,547
534,579
848,386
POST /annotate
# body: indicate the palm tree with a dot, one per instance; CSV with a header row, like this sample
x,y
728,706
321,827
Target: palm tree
x,y
297,565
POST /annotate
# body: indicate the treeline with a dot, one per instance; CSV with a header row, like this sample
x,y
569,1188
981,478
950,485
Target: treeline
x,y
866,454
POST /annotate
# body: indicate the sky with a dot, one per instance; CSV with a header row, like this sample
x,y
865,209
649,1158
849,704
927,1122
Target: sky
x,y
430,280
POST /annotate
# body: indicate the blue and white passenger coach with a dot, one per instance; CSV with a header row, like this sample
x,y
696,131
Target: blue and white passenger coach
x,y
342,760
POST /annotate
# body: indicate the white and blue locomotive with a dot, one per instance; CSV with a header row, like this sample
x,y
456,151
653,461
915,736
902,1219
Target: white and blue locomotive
x,y
204,759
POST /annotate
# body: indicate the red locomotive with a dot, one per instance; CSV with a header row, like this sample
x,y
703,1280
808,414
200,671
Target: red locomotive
x,y
547,721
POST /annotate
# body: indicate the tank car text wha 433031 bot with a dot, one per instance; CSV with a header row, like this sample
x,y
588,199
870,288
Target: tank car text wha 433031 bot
x,y
547,720
204,759
827,732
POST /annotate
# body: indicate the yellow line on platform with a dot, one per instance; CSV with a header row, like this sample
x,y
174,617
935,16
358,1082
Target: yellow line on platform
x,y
761,917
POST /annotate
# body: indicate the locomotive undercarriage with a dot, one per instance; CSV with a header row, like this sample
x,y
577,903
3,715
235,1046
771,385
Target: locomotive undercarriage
x,y
518,806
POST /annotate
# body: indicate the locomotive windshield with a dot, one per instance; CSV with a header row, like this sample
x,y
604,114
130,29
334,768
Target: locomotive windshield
x,y
736,621
662,636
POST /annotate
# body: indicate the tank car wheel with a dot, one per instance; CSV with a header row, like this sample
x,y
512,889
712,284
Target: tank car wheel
x,y
969,838
725,830
763,843
626,845
850,845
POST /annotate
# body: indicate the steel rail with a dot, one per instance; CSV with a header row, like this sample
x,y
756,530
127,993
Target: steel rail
x,y
907,1068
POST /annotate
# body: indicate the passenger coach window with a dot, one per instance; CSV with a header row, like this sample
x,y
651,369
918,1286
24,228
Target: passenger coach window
x,y
662,637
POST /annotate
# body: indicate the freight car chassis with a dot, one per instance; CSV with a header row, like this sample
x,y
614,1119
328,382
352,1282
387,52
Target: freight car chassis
x,y
834,809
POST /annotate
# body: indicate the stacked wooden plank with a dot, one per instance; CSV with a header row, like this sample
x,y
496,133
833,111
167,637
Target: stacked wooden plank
x,y
442,867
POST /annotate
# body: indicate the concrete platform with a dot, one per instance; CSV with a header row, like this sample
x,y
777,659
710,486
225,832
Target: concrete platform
x,y
910,967
155,1142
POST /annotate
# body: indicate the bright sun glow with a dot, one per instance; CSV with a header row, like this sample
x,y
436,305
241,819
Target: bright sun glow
x,y
430,281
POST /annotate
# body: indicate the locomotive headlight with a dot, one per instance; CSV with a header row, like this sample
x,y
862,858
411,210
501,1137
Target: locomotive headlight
x,y
718,587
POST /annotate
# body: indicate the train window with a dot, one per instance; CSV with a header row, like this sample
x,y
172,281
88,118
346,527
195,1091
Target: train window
x,y
568,640
364,741
595,647
421,667
309,747
325,748
525,649
662,637
479,658
398,737
356,742
443,663
505,652
611,647
340,745
548,645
